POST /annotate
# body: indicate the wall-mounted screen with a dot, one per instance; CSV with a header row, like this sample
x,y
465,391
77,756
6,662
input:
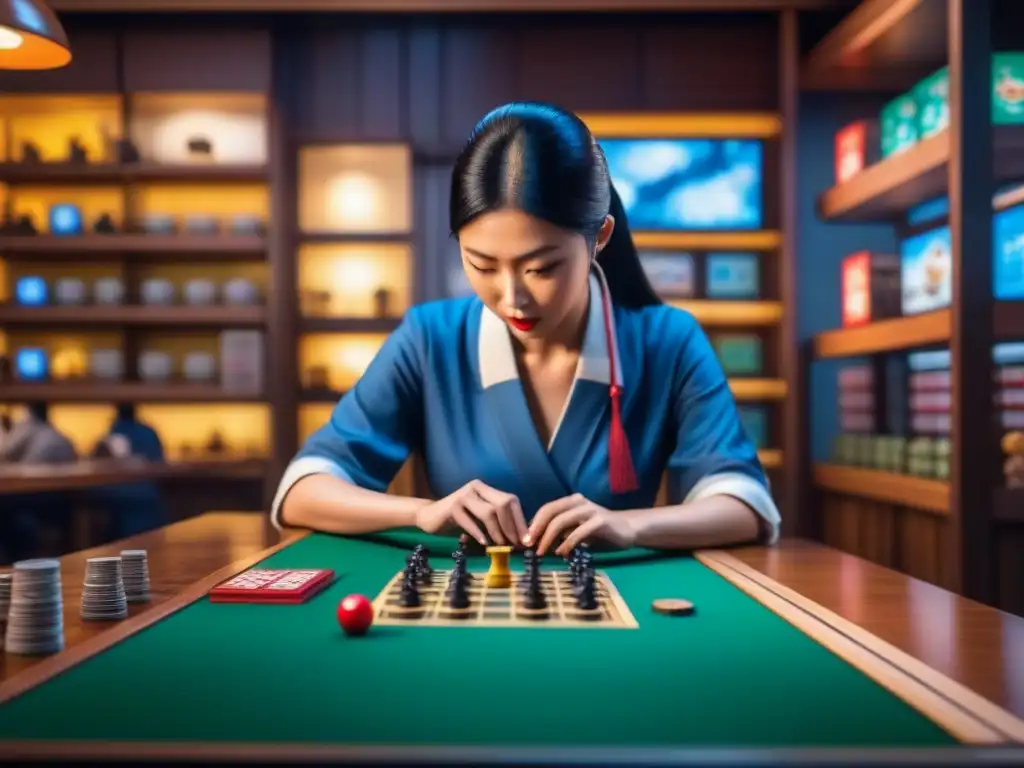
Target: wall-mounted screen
x,y
926,272
688,184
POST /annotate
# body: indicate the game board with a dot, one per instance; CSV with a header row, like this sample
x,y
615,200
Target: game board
x,y
500,607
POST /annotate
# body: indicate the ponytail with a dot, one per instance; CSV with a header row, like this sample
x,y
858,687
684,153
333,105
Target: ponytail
x,y
620,262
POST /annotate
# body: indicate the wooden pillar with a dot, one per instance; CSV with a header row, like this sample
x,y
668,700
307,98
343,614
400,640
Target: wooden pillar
x,y
970,220
796,469
282,311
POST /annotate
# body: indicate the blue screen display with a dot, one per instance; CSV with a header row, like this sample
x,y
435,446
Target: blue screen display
x,y
688,184
1008,247
30,363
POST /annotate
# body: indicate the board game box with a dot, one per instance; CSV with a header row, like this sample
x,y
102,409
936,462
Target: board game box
x,y
262,585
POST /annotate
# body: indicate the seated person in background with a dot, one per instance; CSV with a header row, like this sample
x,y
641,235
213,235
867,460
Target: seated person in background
x,y
33,441
133,507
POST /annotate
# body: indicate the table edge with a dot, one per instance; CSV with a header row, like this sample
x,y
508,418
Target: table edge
x,y
65,660
964,713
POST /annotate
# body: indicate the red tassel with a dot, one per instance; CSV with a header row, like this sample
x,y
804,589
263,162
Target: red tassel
x,y
622,475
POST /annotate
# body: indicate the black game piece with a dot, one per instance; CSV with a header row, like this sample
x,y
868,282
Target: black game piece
x,y
458,596
424,559
587,598
529,566
534,598
410,595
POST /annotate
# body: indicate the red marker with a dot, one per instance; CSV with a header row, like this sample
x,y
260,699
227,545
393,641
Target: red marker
x,y
355,615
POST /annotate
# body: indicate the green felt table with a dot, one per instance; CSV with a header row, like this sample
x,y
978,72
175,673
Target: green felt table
x,y
735,673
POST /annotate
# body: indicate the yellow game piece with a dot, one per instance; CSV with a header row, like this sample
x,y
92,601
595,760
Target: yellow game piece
x,y
499,575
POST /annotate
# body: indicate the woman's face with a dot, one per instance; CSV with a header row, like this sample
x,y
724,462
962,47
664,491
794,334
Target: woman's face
x,y
530,273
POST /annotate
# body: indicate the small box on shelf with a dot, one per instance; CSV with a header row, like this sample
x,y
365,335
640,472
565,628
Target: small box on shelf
x,y
871,287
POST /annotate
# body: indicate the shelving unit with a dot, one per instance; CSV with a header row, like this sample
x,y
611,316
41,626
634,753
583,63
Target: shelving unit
x,y
936,529
198,154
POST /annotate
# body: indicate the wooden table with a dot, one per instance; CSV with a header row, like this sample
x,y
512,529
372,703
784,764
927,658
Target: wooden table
x,y
917,628
21,478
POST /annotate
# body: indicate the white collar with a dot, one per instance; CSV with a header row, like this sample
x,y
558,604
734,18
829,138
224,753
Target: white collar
x,y
498,362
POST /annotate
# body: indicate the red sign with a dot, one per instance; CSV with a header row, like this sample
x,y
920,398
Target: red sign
x,y
850,151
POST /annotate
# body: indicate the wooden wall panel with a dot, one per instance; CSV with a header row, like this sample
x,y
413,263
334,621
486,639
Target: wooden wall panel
x,y
1011,567
584,67
93,67
429,81
187,58
690,65
906,540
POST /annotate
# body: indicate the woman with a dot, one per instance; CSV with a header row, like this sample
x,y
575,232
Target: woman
x,y
547,407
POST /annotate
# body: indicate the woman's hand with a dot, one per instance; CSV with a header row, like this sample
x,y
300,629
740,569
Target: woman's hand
x,y
577,519
472,505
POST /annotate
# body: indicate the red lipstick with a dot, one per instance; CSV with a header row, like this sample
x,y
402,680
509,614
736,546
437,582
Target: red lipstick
x,y
523,324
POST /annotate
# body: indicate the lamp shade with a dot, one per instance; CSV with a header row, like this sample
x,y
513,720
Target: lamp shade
x,y
31,37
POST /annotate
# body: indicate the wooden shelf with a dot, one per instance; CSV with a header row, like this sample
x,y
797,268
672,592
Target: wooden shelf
x,y
881,45
763,240
131,315
889,487
885,335
349,324
355,237
1009,505
731,313
114,392
133,243
887,189
758,389
115,173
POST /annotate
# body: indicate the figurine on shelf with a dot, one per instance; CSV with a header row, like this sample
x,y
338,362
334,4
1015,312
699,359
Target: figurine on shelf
x,y
77,153
30,153
216,445
1013,468
104,225
186,451
382,302
318,377
200,149
23,225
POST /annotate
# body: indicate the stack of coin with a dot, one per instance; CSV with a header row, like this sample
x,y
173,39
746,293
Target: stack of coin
x,y
135,572
103,595
5,603
35,619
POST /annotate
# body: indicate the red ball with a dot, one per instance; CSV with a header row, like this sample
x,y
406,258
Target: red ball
x,y
355,615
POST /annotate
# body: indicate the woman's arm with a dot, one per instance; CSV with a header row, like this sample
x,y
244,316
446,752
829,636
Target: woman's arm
x,y
338,480
716,521
327,503
718,493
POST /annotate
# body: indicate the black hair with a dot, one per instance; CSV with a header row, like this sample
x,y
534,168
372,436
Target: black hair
x,y
39,410
543,160
126,411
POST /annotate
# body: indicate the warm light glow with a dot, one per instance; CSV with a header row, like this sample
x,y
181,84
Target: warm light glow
x,y
241,426
92,202
352,273
235,125
69,362
354,188
345,356
179,345
10,40
49,122
220,200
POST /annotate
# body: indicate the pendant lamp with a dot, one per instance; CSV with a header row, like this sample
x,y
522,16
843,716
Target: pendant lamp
x,y
31,37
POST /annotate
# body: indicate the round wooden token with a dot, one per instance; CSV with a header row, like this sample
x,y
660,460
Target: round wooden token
x,y
671,606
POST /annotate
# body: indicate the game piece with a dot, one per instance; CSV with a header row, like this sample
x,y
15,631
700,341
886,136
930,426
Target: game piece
x,y
267,585
135,574
424,559
35,619
671,606
533,597
459,595
587,599
410,595
499,575
355,615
